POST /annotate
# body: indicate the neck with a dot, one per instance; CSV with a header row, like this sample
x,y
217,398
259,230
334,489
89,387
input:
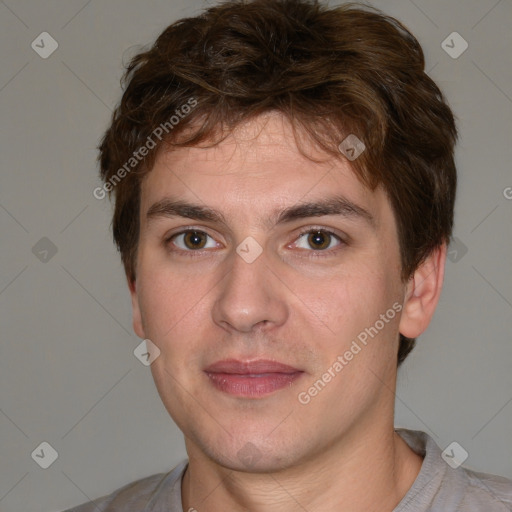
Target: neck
x,y
361,473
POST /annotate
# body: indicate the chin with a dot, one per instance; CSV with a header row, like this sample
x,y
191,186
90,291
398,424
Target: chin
x,y
250,454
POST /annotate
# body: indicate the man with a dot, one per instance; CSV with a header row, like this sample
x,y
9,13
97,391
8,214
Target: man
x,y
284,187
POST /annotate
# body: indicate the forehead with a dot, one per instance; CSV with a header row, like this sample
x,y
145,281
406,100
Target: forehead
x,y
257,168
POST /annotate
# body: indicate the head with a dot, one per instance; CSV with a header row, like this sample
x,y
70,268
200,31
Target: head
x,y
242,110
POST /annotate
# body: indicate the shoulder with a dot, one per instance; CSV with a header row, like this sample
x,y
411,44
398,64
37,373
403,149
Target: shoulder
x,y
445,487
484,490
136,495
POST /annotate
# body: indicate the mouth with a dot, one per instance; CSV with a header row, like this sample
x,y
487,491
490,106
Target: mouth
x,y
251,379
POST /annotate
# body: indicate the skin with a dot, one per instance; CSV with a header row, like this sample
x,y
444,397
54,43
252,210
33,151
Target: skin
x,y
295,304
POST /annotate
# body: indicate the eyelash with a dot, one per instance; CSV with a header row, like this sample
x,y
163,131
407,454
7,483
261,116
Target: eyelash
x,y
323,253
190,254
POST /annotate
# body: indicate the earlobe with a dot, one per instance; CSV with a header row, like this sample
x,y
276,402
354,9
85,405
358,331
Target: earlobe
x,y
422,294
136,314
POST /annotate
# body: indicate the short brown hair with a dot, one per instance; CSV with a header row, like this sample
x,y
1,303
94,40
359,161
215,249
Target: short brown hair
x,y
331,71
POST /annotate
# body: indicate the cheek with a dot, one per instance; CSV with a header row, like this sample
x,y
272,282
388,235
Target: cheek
x,y
167,301
170,293
172,311
354,305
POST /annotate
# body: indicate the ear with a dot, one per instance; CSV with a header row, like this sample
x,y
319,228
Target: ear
x,y
136,314
422,294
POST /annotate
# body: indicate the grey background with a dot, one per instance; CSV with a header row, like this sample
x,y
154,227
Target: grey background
x,y
68,375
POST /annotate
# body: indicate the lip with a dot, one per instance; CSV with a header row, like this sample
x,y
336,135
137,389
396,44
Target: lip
x,y
252,379
234,366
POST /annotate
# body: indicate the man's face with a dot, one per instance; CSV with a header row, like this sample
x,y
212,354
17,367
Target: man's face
x,y
221,312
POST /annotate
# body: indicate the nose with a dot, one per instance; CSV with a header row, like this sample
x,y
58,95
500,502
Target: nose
x,y
251,297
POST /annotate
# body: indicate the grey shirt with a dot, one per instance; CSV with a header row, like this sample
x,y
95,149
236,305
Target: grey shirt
x,y
437,488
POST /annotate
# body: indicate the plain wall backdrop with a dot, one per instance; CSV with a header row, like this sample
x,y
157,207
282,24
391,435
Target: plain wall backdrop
x,y
68,375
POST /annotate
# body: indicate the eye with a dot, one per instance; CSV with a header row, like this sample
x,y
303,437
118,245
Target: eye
x,y
318,239
192,240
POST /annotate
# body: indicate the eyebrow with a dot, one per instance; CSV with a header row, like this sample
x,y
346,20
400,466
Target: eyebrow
x,y
168,207
335,205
